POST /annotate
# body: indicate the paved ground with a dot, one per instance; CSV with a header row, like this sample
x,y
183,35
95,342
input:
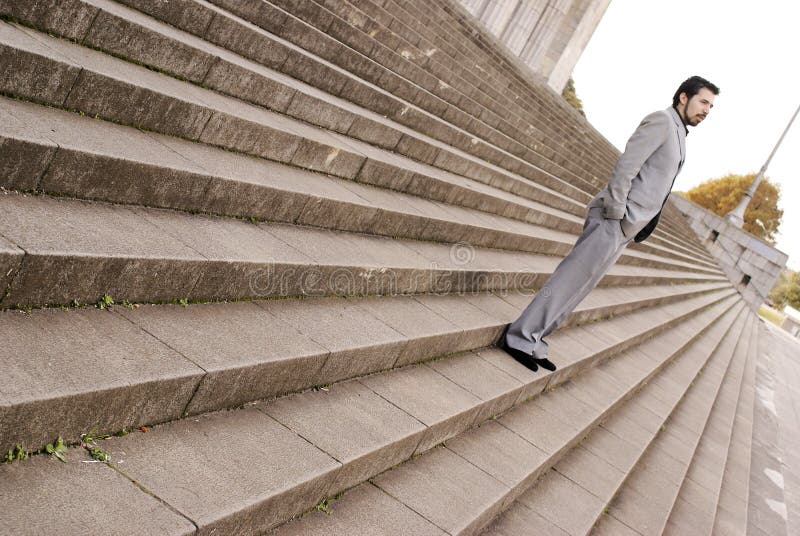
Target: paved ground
x,y
775,470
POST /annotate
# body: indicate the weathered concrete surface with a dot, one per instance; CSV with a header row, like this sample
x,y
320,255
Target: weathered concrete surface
x,y
24,154
66,373
352,424
113,251
516,462
696,505
247,353
363,510
444,407
43,494
10,259
358,343
434,486
645,501
774,504
592,473
228,472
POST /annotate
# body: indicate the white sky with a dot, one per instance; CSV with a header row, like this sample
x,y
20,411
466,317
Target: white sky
x,y
643,49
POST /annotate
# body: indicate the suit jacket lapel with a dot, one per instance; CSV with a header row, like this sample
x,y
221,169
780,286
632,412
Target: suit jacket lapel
x,y
680,131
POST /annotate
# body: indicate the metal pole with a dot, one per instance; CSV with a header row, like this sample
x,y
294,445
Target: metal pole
x,y
736,216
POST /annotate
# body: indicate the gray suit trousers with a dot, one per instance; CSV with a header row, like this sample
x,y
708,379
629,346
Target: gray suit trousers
x,y
597,249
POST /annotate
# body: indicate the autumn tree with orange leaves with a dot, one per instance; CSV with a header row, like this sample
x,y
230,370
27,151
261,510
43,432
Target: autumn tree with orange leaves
x,y
762,217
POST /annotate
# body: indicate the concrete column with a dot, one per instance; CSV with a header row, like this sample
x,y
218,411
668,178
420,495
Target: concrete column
x,y
522,24
475,7
539,40
565,60
547,35
496,14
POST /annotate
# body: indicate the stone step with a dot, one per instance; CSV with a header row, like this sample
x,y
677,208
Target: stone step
x,y
647,497
695,506
680,245
461,485
63,250
682,233
573,495
451,79
424,68
234,75
105,87
523,83
33,45
292,452
429,33
490,72
312,16
206,357
38,139
67,155
381,66
374,169
658,470
731,513
75,156
693,249
683,237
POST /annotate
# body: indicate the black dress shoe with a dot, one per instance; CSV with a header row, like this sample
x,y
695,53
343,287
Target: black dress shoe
x,y
519,355
545,363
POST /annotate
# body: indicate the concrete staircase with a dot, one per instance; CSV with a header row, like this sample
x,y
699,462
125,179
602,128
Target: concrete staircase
x,y
316,219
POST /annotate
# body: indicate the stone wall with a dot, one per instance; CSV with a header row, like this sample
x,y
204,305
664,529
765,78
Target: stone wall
x,y
751,264
547,35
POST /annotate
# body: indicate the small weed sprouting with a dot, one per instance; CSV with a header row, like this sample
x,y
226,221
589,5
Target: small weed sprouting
x,y
324,506
183,302
126,304
100,454
17,453
56,449
74,303
105,302
89,438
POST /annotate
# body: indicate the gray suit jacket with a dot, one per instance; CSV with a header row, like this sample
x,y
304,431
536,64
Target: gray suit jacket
x,y
644,174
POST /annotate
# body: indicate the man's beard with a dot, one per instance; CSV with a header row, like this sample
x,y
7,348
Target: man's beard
x,y
688,121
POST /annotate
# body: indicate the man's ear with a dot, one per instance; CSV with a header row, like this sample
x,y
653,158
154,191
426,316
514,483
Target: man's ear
x,y
683,98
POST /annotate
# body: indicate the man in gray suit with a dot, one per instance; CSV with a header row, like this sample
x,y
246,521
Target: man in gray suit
x,y
627,209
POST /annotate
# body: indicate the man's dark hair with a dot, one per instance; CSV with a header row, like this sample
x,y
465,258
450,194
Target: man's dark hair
x,y
692,86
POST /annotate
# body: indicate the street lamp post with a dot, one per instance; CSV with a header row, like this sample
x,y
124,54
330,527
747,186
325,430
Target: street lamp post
x,y
736,216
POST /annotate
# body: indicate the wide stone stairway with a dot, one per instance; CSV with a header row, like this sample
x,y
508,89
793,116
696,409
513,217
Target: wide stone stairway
x,y
259,254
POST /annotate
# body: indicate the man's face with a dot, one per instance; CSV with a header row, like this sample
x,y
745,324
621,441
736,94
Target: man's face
x,y
697,108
